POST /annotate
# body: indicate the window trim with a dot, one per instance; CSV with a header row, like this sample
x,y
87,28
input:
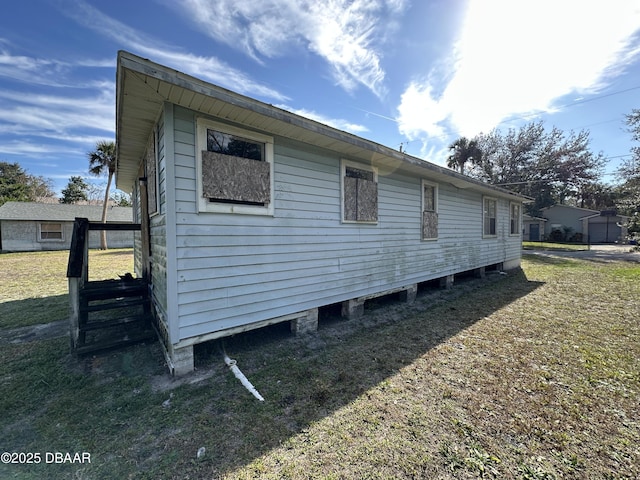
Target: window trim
x,y
422,209
484,200
40,239
204,205
344,164
518,229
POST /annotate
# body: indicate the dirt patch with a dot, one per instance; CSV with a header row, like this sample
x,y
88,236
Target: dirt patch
x,y
34,333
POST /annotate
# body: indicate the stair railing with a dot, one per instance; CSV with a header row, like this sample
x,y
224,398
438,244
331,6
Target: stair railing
x,y
77,274
78,268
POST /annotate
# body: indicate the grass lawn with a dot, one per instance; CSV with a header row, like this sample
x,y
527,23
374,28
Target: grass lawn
x,y
533,375
34,287
554,246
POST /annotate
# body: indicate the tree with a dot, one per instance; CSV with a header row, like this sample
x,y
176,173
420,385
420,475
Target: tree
x,y
629,175
463,151
121,199
549,166
75,192
103,160
19,186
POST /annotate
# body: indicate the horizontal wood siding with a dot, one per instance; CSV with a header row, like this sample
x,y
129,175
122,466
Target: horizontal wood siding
x,y
237,269
157,229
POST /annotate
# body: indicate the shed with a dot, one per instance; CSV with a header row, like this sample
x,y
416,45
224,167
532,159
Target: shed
x,y
256,215
32,226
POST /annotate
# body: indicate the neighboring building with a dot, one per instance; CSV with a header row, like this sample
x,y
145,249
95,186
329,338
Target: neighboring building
x,y
29,226
584,225
608,227
532,228
257,215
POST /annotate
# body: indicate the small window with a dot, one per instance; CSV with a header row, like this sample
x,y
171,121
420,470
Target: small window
x,y
51,232
515,219
235,170
360,193
429,211
490,216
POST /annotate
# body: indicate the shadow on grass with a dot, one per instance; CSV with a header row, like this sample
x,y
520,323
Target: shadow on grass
x,y
33,311
106,404
307,379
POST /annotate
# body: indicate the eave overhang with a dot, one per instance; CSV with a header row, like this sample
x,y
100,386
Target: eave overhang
x,y
143,87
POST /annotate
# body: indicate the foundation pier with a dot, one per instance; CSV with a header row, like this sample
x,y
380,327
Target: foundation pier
x,y
446,282
307,323
409,294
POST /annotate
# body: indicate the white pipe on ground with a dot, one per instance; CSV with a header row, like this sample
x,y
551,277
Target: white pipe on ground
x,y
240,376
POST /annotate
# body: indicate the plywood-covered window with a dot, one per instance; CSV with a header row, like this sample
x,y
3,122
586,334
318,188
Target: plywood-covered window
x,y
515,216
490,211
50,231
236,170
429,210
359,193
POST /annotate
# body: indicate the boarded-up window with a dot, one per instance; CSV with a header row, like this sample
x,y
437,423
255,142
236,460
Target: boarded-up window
x,y
515,219
429,211
51,231
490,209
234,170
360,195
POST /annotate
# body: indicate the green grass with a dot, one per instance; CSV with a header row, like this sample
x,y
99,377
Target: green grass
x,y
35,288
554,246
534,375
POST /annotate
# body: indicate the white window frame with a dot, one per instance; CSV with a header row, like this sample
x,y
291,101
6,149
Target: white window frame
x,y
344,163
435,206
61,239
204,205
518,229
484,208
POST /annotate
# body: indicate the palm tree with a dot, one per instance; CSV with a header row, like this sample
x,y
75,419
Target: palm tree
x,y
101,160
464,150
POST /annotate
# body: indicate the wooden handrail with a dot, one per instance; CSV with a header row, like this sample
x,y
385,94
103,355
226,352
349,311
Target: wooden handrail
x,y
135,227
79,242
75,267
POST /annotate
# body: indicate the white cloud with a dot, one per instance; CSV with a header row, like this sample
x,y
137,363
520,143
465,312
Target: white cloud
x,y
56,116
342,32
518,58
206,68
338,123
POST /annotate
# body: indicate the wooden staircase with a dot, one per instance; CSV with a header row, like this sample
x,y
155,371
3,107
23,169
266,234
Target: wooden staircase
x,y
105,314
113,313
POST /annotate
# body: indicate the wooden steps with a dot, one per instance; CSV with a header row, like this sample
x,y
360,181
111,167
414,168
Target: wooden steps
x,y
112,314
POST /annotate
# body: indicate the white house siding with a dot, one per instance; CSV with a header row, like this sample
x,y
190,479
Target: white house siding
x,y
238,269
157,227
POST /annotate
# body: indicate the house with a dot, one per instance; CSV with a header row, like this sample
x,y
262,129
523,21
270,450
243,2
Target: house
x,y
30,226
569,223
252,215
532,228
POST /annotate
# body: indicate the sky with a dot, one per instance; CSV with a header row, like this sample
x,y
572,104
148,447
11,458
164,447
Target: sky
x,y
414,75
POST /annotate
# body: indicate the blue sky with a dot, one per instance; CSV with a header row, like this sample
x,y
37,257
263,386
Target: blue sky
x,y
413,73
